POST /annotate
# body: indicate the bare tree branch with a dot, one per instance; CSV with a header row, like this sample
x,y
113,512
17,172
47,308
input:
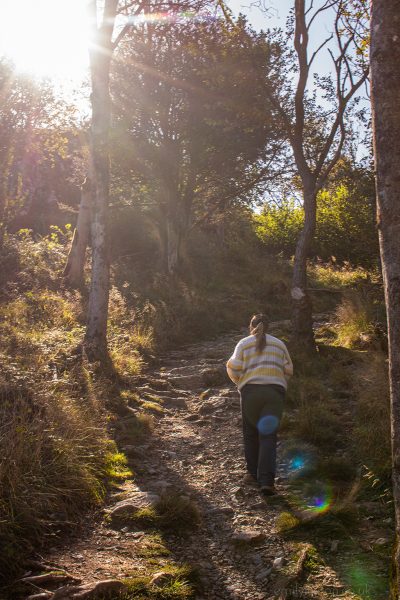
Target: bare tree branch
x,y
328,4
314,54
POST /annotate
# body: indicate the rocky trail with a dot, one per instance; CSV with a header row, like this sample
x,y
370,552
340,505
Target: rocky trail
x,y
195,454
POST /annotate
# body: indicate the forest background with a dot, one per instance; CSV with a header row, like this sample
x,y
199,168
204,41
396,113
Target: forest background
x,y
206,210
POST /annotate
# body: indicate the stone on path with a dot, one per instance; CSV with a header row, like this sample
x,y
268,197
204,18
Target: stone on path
x,y
248,536
278,562
161,578
134,502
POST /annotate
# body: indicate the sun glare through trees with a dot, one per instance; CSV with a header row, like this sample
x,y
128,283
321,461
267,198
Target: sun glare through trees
x,y
37,36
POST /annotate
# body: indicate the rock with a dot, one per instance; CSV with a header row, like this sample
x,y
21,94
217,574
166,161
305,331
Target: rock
x,y
135,502
176,401
192,417
263,574
224,510
187,382
215,376
90,591
248,536
206,409
159,384
162,578
278,562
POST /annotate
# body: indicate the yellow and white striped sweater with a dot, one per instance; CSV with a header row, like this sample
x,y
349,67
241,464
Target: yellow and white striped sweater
x,y
272,365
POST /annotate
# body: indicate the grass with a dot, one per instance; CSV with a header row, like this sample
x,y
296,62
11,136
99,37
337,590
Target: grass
x,y
180,581
173,512
116,467
153,547
354,328
153,407
331,276
56,453
177,586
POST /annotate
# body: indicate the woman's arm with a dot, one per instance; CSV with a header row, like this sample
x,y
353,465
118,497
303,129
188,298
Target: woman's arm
x,y
234,366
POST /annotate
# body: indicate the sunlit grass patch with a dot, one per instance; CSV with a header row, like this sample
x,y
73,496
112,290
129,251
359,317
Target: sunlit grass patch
x,y
153,398
175,585
353,324
153,546
331,276
131,398
126,361
116,466
153,407
286,521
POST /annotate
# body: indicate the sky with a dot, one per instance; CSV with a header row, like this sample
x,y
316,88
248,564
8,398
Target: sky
x,y
276,14
37,33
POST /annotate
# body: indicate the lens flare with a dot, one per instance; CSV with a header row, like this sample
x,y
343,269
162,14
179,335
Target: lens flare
x,y
172,17
268,424
297,463
318,498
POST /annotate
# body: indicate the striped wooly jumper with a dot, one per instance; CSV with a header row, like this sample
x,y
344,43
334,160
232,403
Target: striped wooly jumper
x,y
271,365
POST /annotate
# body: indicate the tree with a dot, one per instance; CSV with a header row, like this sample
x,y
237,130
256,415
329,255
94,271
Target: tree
x,y
103,17
385,88
74,269
100,59
36,129
315,123
191,120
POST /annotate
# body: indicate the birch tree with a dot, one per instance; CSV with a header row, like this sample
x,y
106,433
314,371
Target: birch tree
x,y
103,15
385,90
315,122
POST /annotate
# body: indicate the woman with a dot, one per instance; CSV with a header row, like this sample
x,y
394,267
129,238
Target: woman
x,y
260,367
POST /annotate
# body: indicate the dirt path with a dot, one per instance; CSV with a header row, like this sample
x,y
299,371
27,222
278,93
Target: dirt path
x,y
196,452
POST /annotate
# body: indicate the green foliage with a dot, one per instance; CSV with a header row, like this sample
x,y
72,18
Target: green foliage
x,y
345,229
116,466
279,226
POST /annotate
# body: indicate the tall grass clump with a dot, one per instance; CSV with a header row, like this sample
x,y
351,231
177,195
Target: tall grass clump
x,y
354,326
53,426
53,450
372,429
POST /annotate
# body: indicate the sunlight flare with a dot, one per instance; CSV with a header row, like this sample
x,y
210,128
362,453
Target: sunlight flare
x,y
46,38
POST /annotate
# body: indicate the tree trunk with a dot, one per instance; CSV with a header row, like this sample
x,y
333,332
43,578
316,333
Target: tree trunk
x,y
385,78
96,331
74,269
301,303
174,240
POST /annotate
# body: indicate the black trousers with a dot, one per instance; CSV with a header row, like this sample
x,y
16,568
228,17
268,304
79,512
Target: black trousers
x,y
262,407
